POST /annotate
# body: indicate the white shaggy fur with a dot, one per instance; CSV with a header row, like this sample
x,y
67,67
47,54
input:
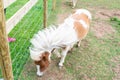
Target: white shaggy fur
x,y
51,38
84,24
56,37
79,11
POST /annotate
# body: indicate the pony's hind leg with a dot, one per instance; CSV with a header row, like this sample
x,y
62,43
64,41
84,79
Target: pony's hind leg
x,y
63,55
71,48
57,53
78,43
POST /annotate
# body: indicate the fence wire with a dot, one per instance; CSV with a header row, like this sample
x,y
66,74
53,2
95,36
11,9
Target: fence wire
x,y
23,32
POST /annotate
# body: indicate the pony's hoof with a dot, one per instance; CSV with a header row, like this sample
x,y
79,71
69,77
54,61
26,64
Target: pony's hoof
x,y
59,57
70,51
40,74
77,46
60,66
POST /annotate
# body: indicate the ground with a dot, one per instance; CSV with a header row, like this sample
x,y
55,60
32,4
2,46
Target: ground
x,y
98,57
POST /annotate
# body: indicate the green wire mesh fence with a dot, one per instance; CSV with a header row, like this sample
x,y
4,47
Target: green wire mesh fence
x,y
23,31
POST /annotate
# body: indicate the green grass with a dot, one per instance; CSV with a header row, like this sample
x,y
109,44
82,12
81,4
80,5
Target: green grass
x,y
0,73
23,31
99,4
93,60
115,20
13,8
95,56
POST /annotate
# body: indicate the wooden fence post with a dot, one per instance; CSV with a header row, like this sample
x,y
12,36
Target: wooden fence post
x,y
53,4
5,59
45,13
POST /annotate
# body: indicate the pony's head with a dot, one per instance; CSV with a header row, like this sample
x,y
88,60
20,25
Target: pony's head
x,y
41,59
43,63
40,49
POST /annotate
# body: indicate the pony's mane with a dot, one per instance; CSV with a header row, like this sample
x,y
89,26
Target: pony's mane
x,y
41,40
53,37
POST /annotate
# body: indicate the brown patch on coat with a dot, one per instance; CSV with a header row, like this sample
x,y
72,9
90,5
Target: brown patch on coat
x,y
80,29
81,16
44,62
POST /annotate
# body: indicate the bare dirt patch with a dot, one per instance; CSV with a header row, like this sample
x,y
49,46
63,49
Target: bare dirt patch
x,y
54,73
63,15
102,29
107,14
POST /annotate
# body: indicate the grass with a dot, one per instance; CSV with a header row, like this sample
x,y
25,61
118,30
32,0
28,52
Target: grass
x,y
23,31
99,4
116,20
95,55
94,59
13,8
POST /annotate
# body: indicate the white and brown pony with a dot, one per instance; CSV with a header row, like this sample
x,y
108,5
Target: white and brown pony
x,y
71,31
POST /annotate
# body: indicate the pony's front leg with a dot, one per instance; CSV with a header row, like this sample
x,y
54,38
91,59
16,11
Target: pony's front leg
x,y
63,55
49,58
